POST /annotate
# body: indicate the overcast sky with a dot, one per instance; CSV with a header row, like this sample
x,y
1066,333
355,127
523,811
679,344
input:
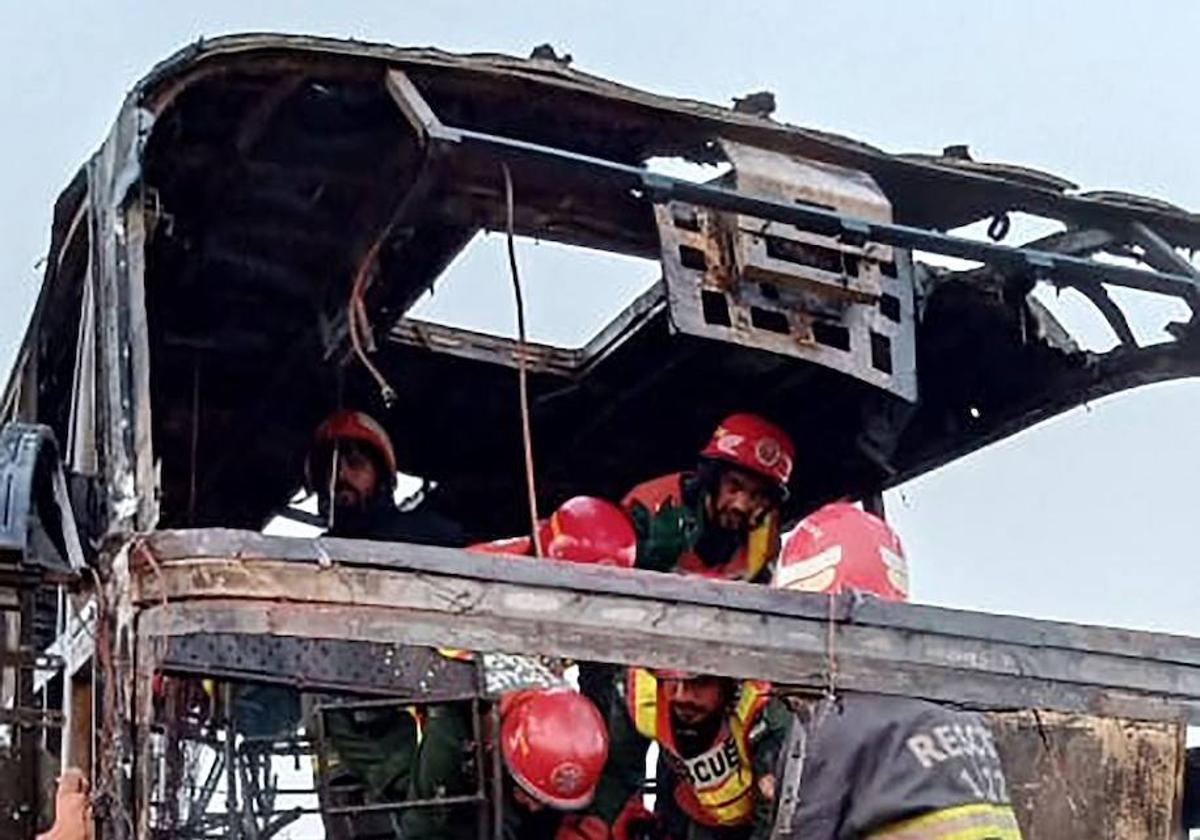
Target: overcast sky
x,y
1089,517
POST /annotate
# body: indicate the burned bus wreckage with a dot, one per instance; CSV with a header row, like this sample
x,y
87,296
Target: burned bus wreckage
x,y
263,215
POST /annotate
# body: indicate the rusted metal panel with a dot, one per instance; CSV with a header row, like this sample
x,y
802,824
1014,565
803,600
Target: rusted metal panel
x,y
446,597
783,178
320,664
1080,777
466,344
847,305
539,358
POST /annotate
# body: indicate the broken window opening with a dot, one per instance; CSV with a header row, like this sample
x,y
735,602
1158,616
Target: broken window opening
x,y
1024,228
881,353
831,335
889,307
688,170
571,293
300,518
1148,314
770,320
693,258
1085,324
716,308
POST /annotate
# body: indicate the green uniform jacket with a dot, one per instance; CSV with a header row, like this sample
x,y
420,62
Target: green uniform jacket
x,y
445,767
674,533
625,772
376,745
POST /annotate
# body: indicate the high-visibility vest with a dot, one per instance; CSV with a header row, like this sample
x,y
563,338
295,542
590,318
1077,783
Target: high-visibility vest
x,y
760,549
716,788
976,821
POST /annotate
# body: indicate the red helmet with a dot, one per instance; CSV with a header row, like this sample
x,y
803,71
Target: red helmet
x,y
590,530
840,548
583,530
673,674
358,426
554,744
750,442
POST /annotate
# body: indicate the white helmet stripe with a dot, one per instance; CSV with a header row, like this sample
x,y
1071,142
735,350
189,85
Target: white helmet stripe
x,y
789,574
897,568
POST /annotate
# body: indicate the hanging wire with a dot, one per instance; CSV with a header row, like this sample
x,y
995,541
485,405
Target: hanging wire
x,y
522,372
357,318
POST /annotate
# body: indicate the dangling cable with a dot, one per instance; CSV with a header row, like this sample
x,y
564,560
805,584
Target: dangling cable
x,y
522,373
357,319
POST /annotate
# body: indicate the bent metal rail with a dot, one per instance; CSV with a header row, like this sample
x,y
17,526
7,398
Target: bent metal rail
x,y
222,581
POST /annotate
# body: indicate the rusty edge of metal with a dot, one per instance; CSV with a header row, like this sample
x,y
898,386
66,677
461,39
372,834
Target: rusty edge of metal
x,y
238,582
571,363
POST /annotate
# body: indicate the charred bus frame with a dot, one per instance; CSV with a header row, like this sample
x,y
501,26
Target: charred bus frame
x,y
198,273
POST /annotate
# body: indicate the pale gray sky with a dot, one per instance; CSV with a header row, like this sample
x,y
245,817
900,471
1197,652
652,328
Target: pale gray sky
x,y
1089,517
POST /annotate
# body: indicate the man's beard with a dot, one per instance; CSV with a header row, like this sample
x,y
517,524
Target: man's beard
x,y
697,736
718,546
734,521
346,498
348,512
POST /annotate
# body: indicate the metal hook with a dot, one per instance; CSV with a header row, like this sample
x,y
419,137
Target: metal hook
x,y
999,227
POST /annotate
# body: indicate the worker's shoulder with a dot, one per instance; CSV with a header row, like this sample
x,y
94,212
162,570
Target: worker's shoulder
x,y
656,491
771,716
873,717
421,525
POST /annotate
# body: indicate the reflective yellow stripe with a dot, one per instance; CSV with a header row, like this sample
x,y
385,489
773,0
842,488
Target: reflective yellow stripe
x,y
645,703
457,654
752,693
760,547
732,801
964,822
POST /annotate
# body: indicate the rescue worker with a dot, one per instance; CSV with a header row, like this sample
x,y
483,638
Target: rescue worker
x,y
553,745
722,520
548,736
352,467
583,529
883,767
719,741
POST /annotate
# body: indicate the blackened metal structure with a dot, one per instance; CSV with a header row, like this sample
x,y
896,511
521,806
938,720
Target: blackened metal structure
x,y
192,329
